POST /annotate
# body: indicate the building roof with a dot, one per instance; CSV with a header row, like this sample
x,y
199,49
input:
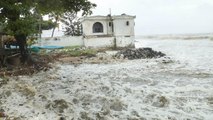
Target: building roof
x,y
101,17
123,16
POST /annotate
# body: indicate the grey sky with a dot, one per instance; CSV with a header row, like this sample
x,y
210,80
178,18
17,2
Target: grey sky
x,y
163,16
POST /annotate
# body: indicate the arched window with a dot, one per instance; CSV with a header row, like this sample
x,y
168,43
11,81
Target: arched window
x,y
97,27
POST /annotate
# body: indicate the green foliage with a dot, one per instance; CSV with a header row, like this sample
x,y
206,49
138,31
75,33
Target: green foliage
x,y
78,5
67,7
21,17
17,17
31,40
47,25
72,24
1,27
26,26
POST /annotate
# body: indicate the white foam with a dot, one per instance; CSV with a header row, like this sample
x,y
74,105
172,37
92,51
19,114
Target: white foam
x,y
135,89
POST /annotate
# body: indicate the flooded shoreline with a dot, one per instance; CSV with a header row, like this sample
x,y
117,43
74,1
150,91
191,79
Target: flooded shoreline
x,y
179,88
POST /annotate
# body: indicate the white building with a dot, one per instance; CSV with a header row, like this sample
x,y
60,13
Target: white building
x,y
101,31
108,31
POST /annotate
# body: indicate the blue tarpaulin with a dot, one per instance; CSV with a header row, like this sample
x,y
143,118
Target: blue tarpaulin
x,y
50,47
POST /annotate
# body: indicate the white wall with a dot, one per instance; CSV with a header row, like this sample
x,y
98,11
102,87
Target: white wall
x,y
120,27
48,33
99,42
88,27
63,41
92,41
119,22
122,41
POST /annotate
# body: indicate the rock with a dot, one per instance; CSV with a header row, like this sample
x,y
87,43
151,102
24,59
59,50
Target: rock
x,y
141,53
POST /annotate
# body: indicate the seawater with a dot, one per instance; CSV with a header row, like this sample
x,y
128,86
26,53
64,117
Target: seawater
x,y
178,87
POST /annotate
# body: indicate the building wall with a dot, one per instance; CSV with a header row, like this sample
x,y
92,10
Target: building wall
x,y
124,33
99,42
120,26
109,28
119,41
122,29
123,41
88,27
92,41
63,41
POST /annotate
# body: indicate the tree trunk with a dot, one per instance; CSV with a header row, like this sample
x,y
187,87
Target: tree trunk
x,y
56,21
21,41
53,32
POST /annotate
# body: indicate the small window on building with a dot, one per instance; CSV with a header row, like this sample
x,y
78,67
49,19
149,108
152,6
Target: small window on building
x,y
97,27
127,23
110,24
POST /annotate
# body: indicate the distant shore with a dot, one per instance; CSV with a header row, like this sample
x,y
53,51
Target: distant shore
x,y
177,36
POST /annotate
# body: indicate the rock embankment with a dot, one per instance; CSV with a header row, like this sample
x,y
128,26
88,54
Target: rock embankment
x,y
140,53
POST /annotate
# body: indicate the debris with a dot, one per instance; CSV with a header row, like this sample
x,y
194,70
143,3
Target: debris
x,y
2,114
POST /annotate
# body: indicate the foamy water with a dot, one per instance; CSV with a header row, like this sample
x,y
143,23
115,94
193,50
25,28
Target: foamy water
x,y
180,88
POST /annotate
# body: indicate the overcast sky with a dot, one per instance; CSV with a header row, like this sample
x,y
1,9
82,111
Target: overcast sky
x,y
162,16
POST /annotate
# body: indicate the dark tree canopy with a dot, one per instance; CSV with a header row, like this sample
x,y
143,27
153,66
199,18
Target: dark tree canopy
x,y
47,25
20,17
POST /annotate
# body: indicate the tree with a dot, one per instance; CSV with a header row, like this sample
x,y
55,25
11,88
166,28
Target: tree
x,y
72,24
47,24
19,19
55,17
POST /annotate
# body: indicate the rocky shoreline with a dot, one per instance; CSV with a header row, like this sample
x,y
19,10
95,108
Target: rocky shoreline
x,y
140,53
42,62
112,56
